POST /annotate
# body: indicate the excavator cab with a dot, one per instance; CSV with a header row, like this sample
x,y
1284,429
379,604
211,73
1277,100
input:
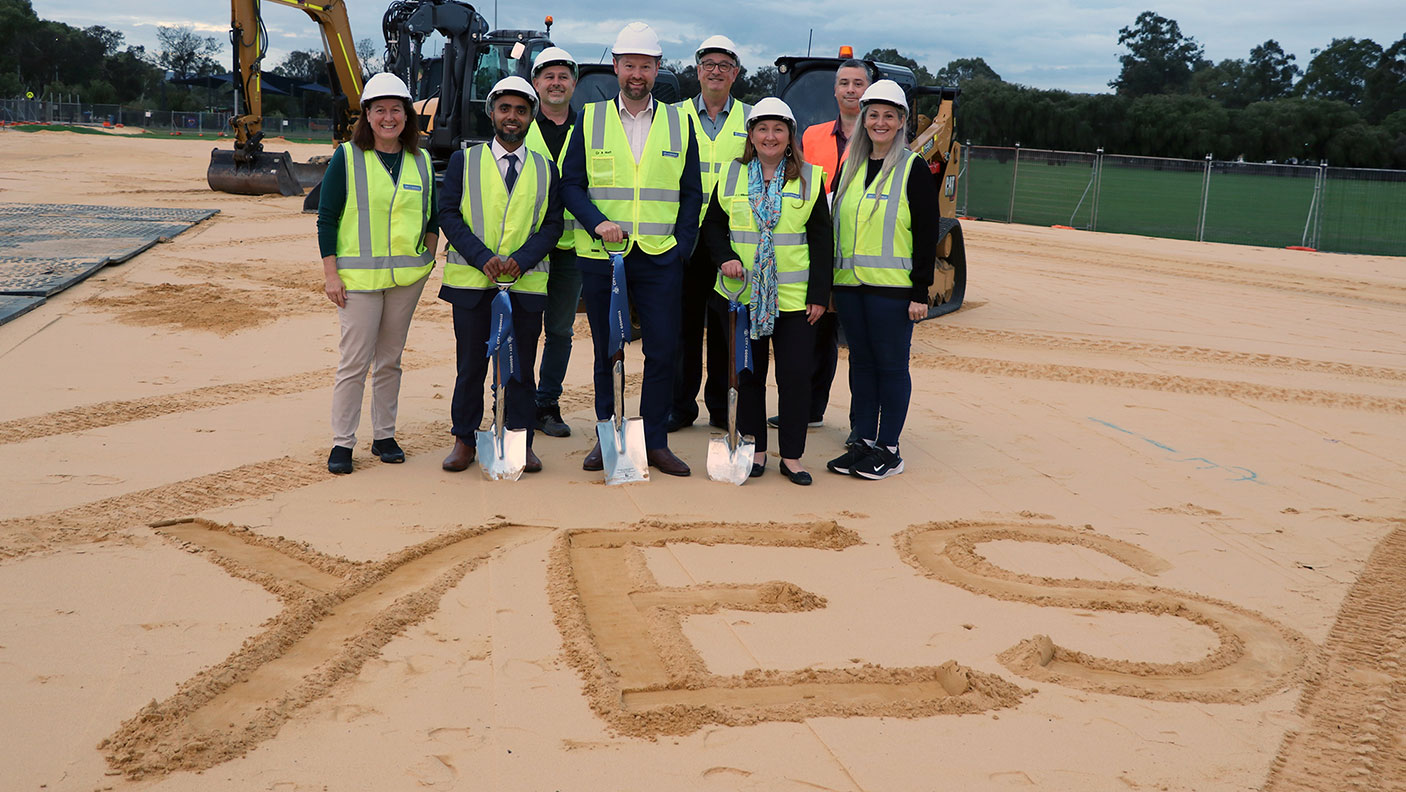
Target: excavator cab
x,y
807,85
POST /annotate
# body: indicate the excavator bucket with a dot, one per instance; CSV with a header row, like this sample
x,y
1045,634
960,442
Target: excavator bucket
x,y
266,173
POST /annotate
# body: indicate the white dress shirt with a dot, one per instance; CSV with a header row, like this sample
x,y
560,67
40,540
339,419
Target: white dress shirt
x,y
499,153
636,126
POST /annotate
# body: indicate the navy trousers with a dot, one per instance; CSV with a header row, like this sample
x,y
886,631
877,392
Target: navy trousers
x,y
471,327
653,285
880,335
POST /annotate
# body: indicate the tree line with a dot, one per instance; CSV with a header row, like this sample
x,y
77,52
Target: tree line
x,y
1347,107
51,58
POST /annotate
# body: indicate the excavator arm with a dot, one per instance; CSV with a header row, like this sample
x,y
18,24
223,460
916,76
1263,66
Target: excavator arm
x,y
248,170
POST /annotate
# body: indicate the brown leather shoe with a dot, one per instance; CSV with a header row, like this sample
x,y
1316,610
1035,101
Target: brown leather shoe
x,y
460,458
593,460
666,462
533,465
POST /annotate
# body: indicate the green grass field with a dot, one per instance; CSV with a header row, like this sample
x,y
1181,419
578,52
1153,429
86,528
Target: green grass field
x,y
1245,204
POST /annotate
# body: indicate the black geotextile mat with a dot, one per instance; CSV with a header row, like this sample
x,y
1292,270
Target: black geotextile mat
x,y
69,231
43,277
12,306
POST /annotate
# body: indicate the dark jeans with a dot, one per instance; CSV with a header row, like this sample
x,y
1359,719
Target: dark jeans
x,y
793,339
653,289
563,294
699,276
471,326
880,336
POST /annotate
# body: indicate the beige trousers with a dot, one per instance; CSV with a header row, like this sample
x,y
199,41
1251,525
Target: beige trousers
x,y
374,327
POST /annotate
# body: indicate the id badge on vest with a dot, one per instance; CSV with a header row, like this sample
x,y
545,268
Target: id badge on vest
x,y
741,213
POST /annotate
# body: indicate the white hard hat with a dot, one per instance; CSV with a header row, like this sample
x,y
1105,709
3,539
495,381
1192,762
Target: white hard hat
x,y
384,85
886,91
552,56
721,44
515,85
637,38
771,107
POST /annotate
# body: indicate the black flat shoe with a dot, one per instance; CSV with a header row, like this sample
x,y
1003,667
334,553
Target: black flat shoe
x,y
388,450
340,460
757,470
800,477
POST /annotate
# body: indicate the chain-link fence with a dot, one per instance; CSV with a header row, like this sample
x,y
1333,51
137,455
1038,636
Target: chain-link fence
x,y
74,113
1346,210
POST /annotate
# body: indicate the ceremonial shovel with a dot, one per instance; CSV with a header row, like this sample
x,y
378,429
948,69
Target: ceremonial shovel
x,y
622,448
730,455
502,453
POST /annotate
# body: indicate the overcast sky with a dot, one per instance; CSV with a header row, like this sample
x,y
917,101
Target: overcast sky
x,y
1067,44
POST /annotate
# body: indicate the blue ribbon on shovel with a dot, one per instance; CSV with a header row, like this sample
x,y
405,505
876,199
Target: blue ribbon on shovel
x,y
742,332
619,314
500,337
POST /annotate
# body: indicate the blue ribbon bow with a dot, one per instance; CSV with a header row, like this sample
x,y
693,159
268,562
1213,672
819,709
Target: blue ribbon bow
x,y
619,314
500,337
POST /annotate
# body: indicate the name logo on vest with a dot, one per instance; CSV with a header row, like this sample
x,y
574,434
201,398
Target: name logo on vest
x,y
670,153
414,187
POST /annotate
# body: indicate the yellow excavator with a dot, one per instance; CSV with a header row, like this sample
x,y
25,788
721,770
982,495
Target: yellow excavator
x,y
248,169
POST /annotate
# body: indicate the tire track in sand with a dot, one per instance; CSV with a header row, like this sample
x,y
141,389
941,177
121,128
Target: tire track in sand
x,y
1045,252
104,519
1355,710
1169,351
112,413
1168,383
337,615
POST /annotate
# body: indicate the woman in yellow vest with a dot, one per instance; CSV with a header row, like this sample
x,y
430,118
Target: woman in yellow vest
x,y
885,222
768,229
377,230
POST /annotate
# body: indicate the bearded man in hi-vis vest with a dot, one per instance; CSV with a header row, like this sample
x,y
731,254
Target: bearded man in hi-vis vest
x,y
631,181
502,216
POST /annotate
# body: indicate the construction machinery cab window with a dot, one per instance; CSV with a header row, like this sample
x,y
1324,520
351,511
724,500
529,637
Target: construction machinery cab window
x,y
497,62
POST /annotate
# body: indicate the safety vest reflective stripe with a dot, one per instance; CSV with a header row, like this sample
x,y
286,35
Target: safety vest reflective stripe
x,y
399,258
503,221
879,255
537,143
641,196
788,239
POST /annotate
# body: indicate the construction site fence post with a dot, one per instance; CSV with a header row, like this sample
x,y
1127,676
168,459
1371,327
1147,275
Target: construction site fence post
x,y
1015,175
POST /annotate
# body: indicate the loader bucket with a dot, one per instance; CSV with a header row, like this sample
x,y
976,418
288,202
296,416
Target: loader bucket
x,y
267,173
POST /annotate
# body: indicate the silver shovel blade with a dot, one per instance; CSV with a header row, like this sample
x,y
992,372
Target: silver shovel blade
x,y
501,458
622,452
730,465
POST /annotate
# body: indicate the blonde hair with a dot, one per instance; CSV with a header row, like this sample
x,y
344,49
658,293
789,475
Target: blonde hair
x,y
861,146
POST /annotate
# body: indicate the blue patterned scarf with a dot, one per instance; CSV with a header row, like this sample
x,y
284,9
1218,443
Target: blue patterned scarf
x,y
765,198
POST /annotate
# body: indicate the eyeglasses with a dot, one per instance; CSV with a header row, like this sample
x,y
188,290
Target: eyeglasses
x,y
714,66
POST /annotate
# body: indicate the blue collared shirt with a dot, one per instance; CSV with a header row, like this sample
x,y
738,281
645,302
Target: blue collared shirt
x,y
710,127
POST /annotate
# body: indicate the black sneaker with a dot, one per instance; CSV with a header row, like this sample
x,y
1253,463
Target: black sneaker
x,y
549,422
388,450
854,452
340,460
879,464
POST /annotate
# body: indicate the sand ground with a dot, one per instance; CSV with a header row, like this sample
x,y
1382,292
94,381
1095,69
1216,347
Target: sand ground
x,y
1178,464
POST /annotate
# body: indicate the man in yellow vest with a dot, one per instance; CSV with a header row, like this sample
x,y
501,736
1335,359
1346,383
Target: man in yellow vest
x,y
554,79
720,130
631,181
501,216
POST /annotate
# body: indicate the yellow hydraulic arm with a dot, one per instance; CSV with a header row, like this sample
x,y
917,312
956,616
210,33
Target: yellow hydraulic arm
x,y
248,38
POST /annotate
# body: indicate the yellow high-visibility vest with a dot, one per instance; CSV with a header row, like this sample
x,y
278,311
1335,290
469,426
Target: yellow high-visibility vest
x,y
788,239
715,153
381,236
536,143
642,198
501,221
873,234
